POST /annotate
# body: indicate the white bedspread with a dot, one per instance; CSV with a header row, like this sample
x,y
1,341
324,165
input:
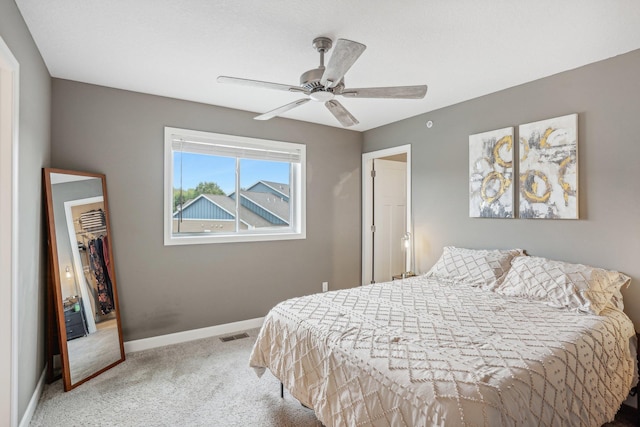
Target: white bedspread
x,y
418,352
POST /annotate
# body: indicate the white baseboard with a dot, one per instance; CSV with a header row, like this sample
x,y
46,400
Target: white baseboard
x,y
31,407
194,334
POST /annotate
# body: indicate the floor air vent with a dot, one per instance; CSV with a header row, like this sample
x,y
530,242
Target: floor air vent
x,y
234,337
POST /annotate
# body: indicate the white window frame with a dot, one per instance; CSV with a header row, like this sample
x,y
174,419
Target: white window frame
x,y
297,228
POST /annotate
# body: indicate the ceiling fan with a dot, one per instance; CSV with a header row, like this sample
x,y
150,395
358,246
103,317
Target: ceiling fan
x,y
323,84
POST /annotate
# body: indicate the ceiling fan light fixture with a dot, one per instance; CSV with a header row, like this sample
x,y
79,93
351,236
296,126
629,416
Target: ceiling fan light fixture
x,y
321,96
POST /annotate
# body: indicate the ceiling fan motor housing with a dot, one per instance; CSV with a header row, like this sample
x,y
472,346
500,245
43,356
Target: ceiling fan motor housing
x,y
310,81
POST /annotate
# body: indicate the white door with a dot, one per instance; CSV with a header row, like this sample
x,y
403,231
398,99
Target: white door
x,y
389,218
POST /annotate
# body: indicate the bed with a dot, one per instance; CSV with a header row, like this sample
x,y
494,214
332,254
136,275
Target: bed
x,y
461,345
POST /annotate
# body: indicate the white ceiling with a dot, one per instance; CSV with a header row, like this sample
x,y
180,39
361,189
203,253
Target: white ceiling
x,y
461,49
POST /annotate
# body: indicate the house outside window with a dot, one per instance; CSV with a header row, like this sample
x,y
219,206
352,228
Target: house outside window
x,y
226,188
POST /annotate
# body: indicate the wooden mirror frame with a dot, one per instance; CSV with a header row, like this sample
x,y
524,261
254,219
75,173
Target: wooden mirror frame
x,y
56,317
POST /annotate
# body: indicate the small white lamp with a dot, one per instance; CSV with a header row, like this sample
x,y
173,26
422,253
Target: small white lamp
x,y
406,245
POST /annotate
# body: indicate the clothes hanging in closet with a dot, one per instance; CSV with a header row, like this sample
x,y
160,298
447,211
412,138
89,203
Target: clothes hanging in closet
x,y
105,255
98,248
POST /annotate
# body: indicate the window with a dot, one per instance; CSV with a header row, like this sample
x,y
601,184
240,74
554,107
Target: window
x,y
225,188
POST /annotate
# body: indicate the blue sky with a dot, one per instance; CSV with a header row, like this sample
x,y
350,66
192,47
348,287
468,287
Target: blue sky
x,y
197,168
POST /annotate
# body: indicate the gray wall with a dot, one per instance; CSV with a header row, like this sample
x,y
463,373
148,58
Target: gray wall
x,y
606,96
33,154
165,289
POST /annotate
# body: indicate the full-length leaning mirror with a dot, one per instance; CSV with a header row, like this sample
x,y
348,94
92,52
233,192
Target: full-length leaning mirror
x,y
84,295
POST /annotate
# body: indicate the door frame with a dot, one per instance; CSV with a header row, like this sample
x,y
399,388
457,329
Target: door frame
x,y
367,199
81,280
9,125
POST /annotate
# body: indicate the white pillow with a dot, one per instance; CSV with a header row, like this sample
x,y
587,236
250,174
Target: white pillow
x,y
560,284
485,268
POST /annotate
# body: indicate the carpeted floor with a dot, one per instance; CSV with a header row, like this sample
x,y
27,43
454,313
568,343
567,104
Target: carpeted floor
x,y
199,383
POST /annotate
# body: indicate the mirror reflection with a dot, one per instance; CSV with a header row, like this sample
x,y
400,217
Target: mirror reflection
x,y
85,292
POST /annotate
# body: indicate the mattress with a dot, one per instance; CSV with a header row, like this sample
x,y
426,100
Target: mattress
x,y
420,352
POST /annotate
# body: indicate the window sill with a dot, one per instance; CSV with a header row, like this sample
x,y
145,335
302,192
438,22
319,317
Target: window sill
x,y
231,238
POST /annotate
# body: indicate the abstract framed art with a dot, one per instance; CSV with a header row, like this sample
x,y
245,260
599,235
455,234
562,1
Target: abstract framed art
x,y
548,168
491,174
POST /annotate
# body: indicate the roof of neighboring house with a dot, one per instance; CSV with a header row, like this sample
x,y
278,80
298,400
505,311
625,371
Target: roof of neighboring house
x,y
229,205
270,196
277,186
270,202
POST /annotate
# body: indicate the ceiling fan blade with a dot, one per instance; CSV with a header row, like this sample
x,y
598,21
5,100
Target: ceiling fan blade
x,y
400,92
258,83
341,113
345,53
270,114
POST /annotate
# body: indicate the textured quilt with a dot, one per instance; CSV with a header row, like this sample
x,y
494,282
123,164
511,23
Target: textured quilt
x,y
419,352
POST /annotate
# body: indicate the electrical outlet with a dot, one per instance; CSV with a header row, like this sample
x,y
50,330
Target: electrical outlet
x,y
325,286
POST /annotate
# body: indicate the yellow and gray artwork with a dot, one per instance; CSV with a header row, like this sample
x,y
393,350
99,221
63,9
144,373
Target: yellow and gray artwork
x,y
491,174
549,168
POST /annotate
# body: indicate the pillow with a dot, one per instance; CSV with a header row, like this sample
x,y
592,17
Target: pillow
x,y
616,299
561,284
485,268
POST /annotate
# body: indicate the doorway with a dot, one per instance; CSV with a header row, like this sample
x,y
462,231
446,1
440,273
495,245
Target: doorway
x,y
386,214
9,90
